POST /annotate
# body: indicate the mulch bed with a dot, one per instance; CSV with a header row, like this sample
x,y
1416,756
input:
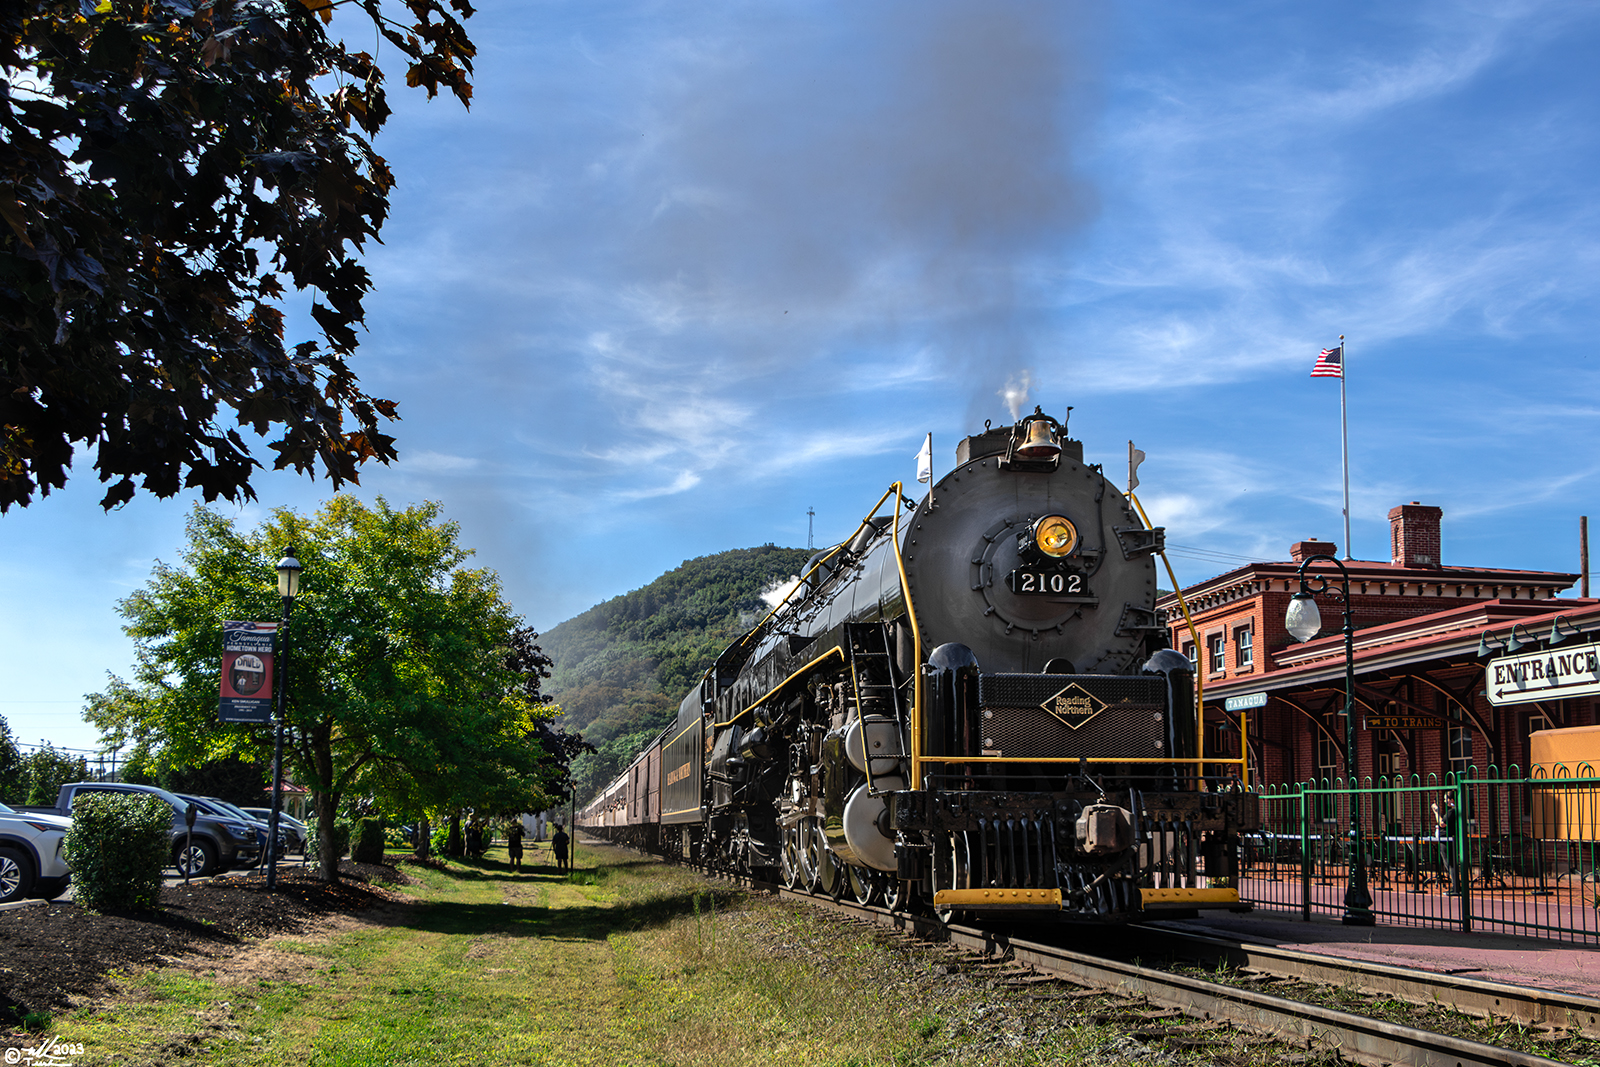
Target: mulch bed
x,y
55,954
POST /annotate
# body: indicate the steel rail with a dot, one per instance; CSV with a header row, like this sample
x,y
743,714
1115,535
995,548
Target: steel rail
x,y
1470,996
1370,1041
1356,1037
1364,1040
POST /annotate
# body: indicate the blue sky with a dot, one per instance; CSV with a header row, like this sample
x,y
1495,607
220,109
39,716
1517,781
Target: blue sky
x,y
685,271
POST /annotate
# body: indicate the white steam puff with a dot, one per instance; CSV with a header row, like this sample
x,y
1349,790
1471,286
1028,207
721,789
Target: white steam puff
x,y
1016,391
779,588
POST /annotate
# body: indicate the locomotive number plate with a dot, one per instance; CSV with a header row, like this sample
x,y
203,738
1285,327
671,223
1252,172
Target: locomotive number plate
x,y
1055,583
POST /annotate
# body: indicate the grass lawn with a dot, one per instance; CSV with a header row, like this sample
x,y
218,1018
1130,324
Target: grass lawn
x,y
624,961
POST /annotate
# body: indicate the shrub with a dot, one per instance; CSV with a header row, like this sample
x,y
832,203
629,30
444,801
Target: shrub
x,y
369,841
116,847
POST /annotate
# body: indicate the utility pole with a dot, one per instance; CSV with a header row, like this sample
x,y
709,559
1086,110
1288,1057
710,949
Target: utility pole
x,y
1583,555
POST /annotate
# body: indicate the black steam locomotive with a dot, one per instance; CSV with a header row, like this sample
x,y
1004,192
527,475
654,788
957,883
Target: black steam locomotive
x,y
969,705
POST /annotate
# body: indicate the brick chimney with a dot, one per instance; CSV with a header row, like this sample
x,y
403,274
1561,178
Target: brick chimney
x,y
1414,535
1301,551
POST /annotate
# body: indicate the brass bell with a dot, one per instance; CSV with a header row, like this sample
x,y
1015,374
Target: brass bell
x,y
1039,440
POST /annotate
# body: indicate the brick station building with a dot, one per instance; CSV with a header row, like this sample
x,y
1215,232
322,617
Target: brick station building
x,y
1420,683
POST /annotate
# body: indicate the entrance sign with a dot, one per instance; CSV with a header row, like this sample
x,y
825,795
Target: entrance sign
x,y
246,672
1549,675
1246,702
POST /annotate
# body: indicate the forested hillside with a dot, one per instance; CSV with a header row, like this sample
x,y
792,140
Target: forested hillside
x,y
622,667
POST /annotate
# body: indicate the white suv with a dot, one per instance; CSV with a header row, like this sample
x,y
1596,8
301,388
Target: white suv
x,y
30,855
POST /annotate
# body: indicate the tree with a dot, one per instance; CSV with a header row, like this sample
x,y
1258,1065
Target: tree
x,y
46,769
404,676
165,167
11,783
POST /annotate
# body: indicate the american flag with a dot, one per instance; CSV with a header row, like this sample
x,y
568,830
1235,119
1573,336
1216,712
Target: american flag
x,y
1330,364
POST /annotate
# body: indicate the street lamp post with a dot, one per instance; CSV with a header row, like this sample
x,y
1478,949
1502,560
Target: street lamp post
x,y
288,588
1304,621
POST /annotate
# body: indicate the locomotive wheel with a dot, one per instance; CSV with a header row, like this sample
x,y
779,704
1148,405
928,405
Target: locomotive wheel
x,y
896,893
790,860
858,884
817,867
830,875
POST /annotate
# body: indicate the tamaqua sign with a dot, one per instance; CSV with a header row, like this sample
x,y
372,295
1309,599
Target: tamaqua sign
x,y
1552,674
246,672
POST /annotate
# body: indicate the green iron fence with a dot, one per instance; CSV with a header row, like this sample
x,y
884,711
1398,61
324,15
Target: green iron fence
x,y
1522,857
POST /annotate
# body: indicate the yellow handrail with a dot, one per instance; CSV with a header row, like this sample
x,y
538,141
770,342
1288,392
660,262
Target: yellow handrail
x,y
916,638
775,690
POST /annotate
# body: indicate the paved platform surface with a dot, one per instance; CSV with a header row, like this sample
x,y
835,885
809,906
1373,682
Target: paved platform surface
x,y
1522,961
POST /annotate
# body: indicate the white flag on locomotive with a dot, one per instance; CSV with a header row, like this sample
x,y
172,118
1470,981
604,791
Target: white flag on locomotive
x,y
925,461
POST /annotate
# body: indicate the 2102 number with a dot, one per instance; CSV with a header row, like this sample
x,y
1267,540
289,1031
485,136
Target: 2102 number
x,y
1049,582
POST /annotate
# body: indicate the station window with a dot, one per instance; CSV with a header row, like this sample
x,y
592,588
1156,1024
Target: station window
x,y
1389,779
1189,654
1460,750
1218,647
1327,773
1244,651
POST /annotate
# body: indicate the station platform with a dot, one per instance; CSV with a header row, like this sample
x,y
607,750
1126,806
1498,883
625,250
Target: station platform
x,y
1494,957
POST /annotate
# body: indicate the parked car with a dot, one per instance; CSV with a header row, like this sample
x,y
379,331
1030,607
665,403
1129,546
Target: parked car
x,y
221,809
31,864
216,843
295,831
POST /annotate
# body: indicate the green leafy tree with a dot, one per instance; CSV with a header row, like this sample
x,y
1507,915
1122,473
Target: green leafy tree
x,y
46,769
11,784
169,166
401,676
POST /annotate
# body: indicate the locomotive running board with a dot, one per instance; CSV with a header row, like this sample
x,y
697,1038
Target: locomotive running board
x,y
1185,898
997,898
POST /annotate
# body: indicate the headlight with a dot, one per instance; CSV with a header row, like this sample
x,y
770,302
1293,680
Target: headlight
x,y
1055,536
238,830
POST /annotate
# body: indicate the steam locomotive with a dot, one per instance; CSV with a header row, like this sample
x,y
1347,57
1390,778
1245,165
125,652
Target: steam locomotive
x,y
969,705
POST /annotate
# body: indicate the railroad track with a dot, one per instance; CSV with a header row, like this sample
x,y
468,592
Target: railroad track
x,y
1363,1040
1357,1038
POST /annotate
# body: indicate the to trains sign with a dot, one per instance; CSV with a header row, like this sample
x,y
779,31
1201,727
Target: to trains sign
x,y
1549,675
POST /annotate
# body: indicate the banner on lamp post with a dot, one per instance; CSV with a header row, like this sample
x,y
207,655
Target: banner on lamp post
x,y
246,672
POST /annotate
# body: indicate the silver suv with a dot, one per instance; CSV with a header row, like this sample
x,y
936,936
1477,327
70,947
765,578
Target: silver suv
x,y
30,855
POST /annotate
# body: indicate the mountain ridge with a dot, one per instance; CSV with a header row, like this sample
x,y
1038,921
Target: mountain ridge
x,y
620,669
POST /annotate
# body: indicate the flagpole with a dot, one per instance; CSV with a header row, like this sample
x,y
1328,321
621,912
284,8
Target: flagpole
x,y
1344,439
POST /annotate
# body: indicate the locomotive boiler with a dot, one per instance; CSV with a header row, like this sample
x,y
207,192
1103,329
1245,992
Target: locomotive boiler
x,y
967,705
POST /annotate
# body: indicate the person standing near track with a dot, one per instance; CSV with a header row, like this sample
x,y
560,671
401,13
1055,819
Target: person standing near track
x,y
1449,826
558,844
514,842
